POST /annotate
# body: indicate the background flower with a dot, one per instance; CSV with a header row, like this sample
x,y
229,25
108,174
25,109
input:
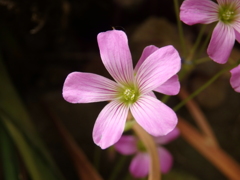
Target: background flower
x,y
235,78
140,164
226,12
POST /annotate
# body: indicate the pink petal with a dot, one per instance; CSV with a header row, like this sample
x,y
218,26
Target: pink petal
x,y
170,87
235,78
166,160
167,138
126,145
87,87
221,44
158,68
146,52
198,11
236,26
154,116
110,123
233,2
152,94
237,35
115,54
140,165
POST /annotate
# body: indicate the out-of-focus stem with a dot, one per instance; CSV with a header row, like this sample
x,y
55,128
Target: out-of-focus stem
x,y
204,86
196,44
215,155
199,118
180,29
154,172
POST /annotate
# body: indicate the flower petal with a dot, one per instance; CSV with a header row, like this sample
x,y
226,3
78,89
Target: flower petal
x,y
237,35
152,94
235,78
126,145
110,123
154,116
170,87
158,68
146,52
87,87
167,138
221,43
236,26
198,11
140,165
166,160
116,56
232,2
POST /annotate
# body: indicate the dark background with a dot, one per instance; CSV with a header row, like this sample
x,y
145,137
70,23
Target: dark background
x,y
41,42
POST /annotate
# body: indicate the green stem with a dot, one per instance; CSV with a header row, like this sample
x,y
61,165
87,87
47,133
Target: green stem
x,y
8,157
97,157
209,82
165,98
196,44
180,29
118,167
204,45
201,60
129,125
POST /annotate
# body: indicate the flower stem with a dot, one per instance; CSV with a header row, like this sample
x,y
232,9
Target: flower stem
x,y
180,29
154,172
209,82
204,45
201,60
118,167
196,44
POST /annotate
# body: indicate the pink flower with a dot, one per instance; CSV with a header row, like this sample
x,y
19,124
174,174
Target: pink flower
x,y
226,12
235,78
131,90
140,164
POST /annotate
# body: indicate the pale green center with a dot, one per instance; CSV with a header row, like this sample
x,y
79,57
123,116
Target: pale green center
x,y
227,13
128,94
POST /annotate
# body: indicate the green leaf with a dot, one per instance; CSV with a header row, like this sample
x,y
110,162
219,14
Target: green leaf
x,y
20,127
8,157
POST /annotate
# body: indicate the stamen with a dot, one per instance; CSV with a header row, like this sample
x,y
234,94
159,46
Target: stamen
x,y
227,15
129,94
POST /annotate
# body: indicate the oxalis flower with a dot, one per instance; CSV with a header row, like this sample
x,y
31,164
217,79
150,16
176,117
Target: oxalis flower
x,y
131,90
226,12
140,164
235,78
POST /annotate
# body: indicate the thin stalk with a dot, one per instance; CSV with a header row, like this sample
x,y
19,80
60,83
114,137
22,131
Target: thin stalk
x,y
219,158
196,44
9,162
201,60
204,86
199,118
97,157
165,98
180,28
118,168
204,45
154,172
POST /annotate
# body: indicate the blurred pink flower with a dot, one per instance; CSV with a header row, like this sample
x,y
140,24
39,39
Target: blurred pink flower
x,y
226,12
235,78
132,89
140,164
